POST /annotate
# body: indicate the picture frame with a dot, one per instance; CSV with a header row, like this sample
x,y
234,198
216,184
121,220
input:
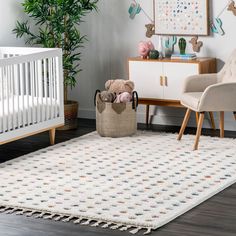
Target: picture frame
x,y
181,17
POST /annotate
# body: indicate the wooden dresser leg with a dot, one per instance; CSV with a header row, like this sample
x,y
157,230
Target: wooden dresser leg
x,y
222,128
147,114
52,133
184,124
212,120
199,131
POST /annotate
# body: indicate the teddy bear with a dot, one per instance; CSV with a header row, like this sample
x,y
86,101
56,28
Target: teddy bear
x,y
107,96
119,86
123,98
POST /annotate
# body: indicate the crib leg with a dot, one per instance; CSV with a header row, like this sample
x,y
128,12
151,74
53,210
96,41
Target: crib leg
x,y
52,133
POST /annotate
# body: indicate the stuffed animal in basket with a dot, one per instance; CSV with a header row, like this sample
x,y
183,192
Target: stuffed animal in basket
x,y
119,86
123,98
107,96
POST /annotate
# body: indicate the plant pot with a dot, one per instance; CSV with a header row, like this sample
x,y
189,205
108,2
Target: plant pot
x,y
71,112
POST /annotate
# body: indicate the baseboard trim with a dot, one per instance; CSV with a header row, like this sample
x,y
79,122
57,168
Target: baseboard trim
x,y
170,120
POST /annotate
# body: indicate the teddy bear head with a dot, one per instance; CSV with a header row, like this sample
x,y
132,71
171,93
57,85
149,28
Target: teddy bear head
x,y
119,86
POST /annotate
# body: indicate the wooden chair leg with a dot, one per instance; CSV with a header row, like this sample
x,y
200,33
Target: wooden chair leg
x,y
197,117
199,130
52,133
222,128
147,114
235,115
212,120
184,124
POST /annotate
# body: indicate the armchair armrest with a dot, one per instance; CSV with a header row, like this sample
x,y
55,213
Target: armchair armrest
x,y
219,97
198,83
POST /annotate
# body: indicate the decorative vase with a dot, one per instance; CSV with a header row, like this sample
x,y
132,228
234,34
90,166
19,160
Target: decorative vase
x,y
153,54
182,46
169,43
168,52
160,47
71,112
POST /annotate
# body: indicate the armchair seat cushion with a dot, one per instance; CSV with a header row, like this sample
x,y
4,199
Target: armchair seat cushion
x,y
191,100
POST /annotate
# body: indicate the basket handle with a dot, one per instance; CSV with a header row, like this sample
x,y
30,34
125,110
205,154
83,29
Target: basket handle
x,y
95,96
134,100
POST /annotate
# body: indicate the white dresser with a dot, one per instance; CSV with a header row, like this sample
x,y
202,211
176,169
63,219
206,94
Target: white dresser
x,y
159,82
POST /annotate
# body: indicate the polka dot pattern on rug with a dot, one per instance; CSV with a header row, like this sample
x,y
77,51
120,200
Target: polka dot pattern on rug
x,y
144,180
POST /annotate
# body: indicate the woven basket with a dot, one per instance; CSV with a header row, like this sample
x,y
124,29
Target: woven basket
x,y
71,112
116,119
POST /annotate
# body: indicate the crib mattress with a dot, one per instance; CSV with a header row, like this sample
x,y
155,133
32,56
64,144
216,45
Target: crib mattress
x,y
26,110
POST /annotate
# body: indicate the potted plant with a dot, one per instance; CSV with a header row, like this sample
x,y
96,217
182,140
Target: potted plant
x,y
56,25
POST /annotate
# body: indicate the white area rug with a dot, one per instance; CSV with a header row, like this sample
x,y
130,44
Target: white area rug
x,y
133,183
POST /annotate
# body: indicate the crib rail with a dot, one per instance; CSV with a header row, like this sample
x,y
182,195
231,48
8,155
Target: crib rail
x,y
31,89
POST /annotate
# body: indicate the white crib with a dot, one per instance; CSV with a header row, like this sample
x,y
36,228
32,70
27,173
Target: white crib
x,y
31,92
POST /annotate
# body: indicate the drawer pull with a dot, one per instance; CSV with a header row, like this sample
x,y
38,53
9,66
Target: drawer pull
x,y
161,80
166,81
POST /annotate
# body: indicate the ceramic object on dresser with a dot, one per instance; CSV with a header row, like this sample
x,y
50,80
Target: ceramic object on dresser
x,y
160,47
182,46
169,43
153,54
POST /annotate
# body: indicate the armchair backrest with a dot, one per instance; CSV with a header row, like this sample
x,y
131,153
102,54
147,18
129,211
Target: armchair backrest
x,y
228,72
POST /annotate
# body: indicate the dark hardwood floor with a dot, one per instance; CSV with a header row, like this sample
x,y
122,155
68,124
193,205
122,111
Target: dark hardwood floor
x,y
215,217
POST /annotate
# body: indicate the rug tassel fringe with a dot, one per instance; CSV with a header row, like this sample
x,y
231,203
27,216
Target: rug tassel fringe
x,y
149,230
49,217
106,225
96,224
30,213
116,226
135,231
40,215
77,221
125,228
58,218
68,219
10,211
86,222
4,209
21,212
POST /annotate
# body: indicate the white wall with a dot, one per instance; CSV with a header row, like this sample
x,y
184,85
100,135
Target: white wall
x,y
113,37
10,12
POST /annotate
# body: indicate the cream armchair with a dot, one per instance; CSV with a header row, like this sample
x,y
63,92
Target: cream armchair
x,y
210,93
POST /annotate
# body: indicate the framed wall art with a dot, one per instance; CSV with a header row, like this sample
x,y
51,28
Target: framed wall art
x,y
181,17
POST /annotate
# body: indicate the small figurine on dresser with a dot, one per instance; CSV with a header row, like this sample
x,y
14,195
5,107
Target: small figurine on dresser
x,y
144,47
147,50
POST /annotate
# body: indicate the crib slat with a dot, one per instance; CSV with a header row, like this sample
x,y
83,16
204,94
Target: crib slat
x,y
23,112
45,87
17,99
13,97
40,90
8,113
50,88
54,87
60,101
27,91
37,91
32,88
2,99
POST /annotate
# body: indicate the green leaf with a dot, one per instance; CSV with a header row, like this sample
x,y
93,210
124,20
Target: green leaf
x,y
57,24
